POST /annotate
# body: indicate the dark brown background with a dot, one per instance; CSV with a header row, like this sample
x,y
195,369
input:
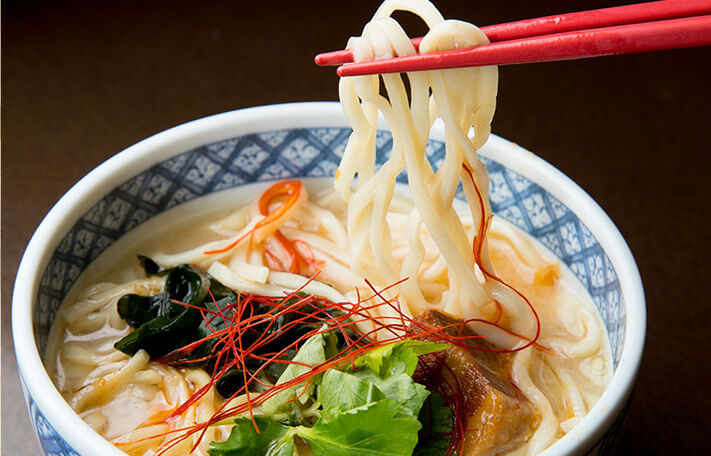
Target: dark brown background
x,y
82,81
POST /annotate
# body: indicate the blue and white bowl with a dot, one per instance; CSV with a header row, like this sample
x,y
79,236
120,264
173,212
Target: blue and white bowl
x,y
303,140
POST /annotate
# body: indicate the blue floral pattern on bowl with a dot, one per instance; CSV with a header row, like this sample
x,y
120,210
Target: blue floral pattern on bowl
x,y
50,441
312,152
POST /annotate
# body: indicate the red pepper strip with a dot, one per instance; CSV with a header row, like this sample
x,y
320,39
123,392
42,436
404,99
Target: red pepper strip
x,y
291,189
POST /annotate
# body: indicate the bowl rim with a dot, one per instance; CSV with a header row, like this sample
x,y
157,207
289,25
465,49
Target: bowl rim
x,y
182,138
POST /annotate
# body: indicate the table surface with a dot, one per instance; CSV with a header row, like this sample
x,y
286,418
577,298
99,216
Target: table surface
x,y
83,80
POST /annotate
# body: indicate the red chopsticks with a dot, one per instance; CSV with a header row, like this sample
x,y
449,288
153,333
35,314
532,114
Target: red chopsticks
x,y
569,36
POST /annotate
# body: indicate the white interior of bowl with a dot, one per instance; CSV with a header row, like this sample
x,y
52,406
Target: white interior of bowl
x,y
162,146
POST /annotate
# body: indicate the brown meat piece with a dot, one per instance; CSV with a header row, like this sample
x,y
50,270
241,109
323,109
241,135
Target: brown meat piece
x,y
498,418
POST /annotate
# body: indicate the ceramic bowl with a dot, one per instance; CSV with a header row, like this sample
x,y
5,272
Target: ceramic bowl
x,y
303,140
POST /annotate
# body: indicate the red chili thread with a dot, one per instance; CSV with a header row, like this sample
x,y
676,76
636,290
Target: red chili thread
x,y
289,189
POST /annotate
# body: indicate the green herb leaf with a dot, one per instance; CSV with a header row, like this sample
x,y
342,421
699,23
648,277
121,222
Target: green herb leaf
x,y
399,357
385,372
273,439
316,350
341,391
374,429
400,388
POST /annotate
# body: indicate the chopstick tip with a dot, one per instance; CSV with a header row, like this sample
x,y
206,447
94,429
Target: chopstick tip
x,y
333,58
319,59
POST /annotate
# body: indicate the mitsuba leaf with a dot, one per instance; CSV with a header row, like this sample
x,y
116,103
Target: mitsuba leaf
x,y
316,350
399,357
400,388
341,391
273,439
437,424
371,408
376,428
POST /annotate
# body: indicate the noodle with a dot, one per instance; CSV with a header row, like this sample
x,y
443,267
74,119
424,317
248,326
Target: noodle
x,y
432,192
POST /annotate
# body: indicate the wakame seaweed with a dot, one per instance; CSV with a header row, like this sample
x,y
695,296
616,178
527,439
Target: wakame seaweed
x,y
166,322
169,320
150,266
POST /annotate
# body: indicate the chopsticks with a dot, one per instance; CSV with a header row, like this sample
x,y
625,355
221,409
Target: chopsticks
x,y
583,34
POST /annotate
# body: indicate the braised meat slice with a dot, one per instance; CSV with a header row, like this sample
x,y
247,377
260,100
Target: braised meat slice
x,y
498,417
